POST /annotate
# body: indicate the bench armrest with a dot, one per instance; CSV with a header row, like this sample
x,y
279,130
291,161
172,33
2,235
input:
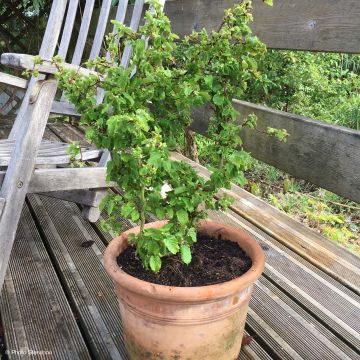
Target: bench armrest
x,y
13,81
26,62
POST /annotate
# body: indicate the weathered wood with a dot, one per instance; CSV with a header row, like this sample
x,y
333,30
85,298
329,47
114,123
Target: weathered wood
x,y
68,28
89,287
321,25
64,108
2,204
45,180
82,197
22,119
100,30
120,13
134,24
83,33
289,24
53,27
49,153
24,61
324,154
13,81
56,159
92,212
15,185
35,311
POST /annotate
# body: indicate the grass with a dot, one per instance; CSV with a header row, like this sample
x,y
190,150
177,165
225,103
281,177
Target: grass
x,y
335,217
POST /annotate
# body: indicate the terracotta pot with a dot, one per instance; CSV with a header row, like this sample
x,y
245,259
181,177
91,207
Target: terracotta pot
x,y
164,322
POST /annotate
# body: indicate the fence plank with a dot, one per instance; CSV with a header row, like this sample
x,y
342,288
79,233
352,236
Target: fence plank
x,y
321,25
324,154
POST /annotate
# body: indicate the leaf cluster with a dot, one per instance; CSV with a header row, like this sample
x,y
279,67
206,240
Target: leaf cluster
x,y
141,110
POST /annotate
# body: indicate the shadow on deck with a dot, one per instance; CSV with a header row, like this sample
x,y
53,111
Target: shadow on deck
x,y
58,302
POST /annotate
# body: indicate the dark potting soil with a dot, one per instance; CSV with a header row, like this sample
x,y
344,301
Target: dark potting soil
x,y
213,261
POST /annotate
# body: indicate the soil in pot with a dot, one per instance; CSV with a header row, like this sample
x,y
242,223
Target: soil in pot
x,y
214,261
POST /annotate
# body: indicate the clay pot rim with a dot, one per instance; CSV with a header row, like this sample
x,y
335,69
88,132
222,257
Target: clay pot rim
x,y
186,294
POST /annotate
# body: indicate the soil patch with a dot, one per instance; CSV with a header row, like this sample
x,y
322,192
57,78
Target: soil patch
x,y
213,261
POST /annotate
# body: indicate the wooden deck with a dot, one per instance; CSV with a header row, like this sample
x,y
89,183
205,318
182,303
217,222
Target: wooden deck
x,y
58,302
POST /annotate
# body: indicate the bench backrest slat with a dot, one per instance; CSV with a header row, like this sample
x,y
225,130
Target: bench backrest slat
x,y
68,28
100,29
83,32
53,29
134,24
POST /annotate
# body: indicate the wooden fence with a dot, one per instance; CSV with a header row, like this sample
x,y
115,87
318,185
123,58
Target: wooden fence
x,y
314,25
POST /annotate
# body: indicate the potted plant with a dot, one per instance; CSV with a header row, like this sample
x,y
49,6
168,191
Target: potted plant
x,y
173,307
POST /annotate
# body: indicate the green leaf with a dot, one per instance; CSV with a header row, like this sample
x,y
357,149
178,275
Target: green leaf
x,y
153,247
139,47
182,216
160,213
280,134
240,179
180,190
142,118
218,100
167,73
127,210
192,235
172,244
155,263
170,213
155,158
129,98
240,159
268,2
167,165
188,90
209,80
110,208
185,254
135,215
37,60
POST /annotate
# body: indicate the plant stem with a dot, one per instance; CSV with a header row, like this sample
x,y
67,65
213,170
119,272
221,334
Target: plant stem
x,y
335,203
142,205
190,145
142,209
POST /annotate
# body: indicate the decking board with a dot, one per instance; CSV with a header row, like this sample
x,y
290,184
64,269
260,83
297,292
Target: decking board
x,y
326,299
62,230
35,311
87,284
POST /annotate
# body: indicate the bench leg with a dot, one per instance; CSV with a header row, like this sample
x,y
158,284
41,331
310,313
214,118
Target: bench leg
x,y
33,116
